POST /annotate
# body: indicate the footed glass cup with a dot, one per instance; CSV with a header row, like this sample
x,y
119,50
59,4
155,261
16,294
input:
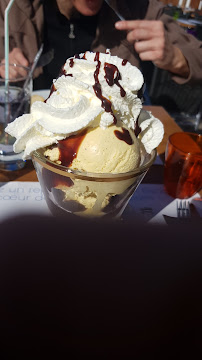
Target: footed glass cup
x,y
85,194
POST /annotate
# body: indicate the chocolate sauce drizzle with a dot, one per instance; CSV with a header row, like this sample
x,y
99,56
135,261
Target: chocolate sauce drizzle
x,y
111,79
52,180
71,62
110,71
68,148
124,135
124,62
52,89
106,104
84,56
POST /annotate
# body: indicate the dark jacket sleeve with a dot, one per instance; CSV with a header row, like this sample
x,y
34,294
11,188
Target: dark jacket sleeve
x,y
188,44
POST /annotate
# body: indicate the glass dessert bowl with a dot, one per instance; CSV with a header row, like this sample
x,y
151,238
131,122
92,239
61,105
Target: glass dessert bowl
x,y
87,194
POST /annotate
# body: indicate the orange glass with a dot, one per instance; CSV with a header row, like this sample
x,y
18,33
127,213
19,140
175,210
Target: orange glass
x,y
183,165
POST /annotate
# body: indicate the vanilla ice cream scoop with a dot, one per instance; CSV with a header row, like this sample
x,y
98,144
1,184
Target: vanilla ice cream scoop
x,y
111,150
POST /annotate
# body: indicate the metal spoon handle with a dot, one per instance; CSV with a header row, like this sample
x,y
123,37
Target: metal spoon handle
x,y
115,11
34,64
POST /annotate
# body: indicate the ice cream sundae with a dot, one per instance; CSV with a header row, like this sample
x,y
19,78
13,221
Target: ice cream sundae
x,y
90,141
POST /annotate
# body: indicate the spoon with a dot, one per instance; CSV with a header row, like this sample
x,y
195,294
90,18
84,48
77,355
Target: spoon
x,y
46,58
116,12
33,67
29,76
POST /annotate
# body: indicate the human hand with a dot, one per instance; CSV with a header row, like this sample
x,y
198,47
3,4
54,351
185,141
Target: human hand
x,y
152,44
15,57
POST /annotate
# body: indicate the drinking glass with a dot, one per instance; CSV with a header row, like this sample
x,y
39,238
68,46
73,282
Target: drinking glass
x,y
15,97
183,165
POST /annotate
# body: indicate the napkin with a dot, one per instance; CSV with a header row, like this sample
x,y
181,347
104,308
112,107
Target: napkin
x,y
19,198
150,203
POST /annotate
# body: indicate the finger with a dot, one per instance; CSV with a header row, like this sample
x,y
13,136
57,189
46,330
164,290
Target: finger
x,y
16,57
134,24
20,71
139,34
153,55
20,59
14,71
149,45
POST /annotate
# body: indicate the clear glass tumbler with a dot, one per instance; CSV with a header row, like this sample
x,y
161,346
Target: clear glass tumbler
x,y
15,95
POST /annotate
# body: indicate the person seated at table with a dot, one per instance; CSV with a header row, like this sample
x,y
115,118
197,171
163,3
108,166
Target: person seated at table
x,y
74,26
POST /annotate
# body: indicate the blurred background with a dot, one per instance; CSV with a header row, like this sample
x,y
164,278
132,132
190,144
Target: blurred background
x,y
183,102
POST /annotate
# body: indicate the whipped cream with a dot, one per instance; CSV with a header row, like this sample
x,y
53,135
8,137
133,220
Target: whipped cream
x,y
94,90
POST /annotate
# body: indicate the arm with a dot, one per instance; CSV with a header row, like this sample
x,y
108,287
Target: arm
x,y
25,30
15,55
188,45
151,42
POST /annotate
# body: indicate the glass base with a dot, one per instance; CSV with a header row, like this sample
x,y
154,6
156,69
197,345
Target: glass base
x,y
11,165
188,123
11,162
